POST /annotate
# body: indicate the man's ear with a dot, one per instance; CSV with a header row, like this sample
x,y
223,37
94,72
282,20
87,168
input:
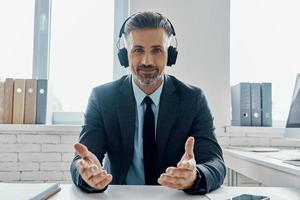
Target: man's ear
x,y
168,43
126,42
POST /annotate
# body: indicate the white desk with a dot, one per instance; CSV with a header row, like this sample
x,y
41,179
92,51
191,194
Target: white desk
x,y
19,191
70,192
117,192
261,167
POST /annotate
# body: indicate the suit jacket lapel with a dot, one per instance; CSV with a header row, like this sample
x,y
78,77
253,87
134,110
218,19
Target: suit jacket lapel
x,y
166,115
126,108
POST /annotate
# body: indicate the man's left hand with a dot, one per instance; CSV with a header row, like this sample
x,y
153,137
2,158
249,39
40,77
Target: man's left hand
x,y
184,175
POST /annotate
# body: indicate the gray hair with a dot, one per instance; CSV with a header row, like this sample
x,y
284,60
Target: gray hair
x,y
148,19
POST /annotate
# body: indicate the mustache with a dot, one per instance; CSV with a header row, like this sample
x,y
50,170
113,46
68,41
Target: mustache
x,y
143,66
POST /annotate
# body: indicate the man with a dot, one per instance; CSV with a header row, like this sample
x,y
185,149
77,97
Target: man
x,y
148,127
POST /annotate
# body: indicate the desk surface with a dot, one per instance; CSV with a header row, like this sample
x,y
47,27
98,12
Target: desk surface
x,y
116,192
262,167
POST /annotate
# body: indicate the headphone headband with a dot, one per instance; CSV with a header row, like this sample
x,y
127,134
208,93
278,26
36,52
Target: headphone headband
x,y
123,25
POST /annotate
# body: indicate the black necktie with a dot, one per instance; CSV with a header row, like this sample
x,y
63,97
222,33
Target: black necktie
x,y
149,144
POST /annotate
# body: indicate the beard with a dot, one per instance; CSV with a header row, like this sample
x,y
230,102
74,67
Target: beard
x,y
147,75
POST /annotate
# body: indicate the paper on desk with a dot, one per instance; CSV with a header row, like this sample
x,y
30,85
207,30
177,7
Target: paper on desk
x,y
256,149
286,155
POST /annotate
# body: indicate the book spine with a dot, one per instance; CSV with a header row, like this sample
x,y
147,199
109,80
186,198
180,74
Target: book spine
x,y
30,101
266,104
19,101
41,110
8,100
255,104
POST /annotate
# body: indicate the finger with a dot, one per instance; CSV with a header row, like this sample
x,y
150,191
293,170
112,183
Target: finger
x,y
171,185
189,148
98,177
81,150
172,182
105,182
175,180
89,171
81,165
178,172
187,164
94,169
88,156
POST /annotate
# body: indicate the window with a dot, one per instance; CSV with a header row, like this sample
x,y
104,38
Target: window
x,y
265,46
16,38
81,50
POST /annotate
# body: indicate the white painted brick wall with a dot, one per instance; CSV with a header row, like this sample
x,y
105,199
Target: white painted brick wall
x,y
57,148
38,139
67,156
41,175
18,166
69,139
67,176
8,157
55,166
20,148
224,141
9,176
249,141
5,138
284,143
36,153
39,157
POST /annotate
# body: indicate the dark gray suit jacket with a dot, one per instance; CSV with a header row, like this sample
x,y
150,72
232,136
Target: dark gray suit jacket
x,y
109,129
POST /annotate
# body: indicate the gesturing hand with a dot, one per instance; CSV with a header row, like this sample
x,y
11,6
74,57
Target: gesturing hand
x,y
184,175
90,168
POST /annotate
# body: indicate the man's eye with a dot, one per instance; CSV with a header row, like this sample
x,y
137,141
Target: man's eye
x,y
156,50
138,50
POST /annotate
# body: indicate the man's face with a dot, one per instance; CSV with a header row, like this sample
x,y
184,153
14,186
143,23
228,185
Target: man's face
x,y
147,53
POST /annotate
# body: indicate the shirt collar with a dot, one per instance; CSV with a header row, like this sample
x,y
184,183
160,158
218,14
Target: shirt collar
x,y
140,94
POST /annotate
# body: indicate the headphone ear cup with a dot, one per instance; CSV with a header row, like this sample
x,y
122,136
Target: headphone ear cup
x,y
123,57
172,56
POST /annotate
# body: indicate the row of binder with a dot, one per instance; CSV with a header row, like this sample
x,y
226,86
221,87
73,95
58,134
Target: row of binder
x,y
251,104
23,101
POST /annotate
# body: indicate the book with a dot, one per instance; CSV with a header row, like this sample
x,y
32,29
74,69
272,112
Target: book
x,y
8,100
41,107
255,104
241,104
266,104
19,101
30,101
47,192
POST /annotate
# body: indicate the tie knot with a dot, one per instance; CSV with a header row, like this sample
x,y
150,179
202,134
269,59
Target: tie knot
x,y
148,101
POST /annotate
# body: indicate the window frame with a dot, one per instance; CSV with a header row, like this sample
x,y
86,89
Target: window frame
x,y
41,50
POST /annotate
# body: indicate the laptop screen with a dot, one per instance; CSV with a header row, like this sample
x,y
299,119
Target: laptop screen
x,y
294,113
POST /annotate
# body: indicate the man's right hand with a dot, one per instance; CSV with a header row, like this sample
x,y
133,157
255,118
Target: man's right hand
x,y
90,168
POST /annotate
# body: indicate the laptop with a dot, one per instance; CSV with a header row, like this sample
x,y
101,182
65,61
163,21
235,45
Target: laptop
x,y
292,130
